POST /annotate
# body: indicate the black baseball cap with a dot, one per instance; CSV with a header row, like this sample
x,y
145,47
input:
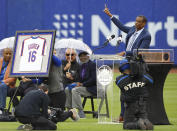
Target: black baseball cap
x,y
83,53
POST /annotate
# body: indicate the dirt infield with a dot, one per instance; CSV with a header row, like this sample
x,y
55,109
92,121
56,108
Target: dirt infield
x,y
173,70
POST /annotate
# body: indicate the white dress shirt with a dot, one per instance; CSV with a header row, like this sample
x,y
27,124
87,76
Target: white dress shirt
x,y
132,39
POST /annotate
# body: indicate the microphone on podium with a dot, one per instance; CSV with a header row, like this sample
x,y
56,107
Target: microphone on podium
x,y
119,39
105,43
109,39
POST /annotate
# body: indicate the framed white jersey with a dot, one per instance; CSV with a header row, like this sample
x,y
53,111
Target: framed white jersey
x,y
32,51
32,54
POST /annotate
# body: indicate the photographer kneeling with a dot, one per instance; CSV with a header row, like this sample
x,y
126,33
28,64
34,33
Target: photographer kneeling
x,y
134,93
33,110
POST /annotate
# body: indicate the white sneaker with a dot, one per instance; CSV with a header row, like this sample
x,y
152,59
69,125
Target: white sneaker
x,y
75,116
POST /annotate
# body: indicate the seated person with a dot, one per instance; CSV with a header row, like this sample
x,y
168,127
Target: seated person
x,y
134,93
5,81
70,67
86,86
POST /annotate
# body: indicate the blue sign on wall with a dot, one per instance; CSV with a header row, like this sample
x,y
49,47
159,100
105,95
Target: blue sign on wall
x,y
85,20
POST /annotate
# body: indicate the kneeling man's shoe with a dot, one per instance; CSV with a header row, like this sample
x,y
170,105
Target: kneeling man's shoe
x,y
149,125
28,127
141,124
21,127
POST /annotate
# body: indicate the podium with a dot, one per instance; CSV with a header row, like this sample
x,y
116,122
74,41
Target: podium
x,y
109,103
159,62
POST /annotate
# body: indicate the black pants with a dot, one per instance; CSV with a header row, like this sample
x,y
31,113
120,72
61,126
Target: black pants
x,y
62,116
133,112
38,123
58,99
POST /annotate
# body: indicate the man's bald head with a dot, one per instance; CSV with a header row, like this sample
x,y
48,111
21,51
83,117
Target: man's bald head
x,y
7,54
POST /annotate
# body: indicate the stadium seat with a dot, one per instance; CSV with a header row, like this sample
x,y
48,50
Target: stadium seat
x,y
95,113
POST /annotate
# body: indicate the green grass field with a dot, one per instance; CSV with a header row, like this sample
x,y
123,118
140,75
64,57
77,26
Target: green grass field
x,y
90,124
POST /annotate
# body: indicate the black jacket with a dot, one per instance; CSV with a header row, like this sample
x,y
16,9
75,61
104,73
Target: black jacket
x,y
74,70
89,78
134,88
34,104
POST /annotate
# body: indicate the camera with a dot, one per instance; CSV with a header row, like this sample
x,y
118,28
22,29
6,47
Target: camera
x,y
138,66
54,114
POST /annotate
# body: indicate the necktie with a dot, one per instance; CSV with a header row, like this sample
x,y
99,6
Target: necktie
x,y
130,44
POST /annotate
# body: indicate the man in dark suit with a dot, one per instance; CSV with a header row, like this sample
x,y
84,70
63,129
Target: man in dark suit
x,y
137,36
86,85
